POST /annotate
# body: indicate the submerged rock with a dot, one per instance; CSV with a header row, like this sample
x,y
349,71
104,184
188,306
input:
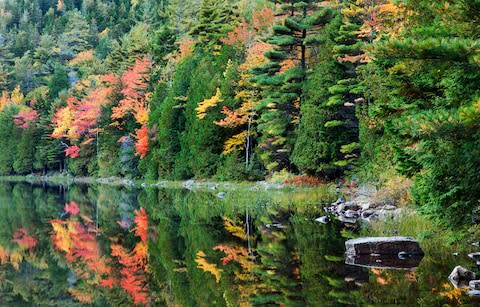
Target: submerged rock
x,y
460,277
383,246
323,220
474,284
475,256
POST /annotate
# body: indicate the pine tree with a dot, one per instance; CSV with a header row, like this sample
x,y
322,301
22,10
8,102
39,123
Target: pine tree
x,y
282,79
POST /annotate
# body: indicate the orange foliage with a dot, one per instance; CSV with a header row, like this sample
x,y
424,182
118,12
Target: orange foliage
x,y
263,19
24,240
82,57
141,146
141,221
245,33
242,34
3,255
134,263
185,49
135,98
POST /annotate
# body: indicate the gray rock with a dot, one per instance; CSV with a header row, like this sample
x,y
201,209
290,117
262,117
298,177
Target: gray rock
x,y
460,277
367,213
474,284
323,220
475,256
365,206
474,292
383,246
351,214
389,207
338,202
347,220
221,195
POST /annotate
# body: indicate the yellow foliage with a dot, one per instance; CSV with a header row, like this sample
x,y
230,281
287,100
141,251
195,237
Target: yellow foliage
x,y
16,259
236,142
17,96
451,292
62,237
209,103
235,230
204,265
64,122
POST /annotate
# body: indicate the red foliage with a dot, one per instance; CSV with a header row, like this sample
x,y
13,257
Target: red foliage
x,y
22,238
134,89
72,208
240,35
72,152
25,118
142,143
108,282
141,229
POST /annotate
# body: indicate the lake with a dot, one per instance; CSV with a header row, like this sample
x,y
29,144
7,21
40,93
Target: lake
x,y
116,246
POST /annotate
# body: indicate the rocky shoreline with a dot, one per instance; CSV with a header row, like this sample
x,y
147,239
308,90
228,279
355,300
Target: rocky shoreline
x,y
363,206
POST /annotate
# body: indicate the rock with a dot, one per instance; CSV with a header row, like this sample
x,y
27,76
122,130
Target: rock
x,y
389,207
460,277
347,220
367,213
383,246
365,206
221,195
351,214
323,220
338,202
455,254
351,205
474,292
475,256
474,284
477,244
384,261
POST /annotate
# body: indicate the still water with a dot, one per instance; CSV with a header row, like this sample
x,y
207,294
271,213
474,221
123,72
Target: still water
x,y
115,246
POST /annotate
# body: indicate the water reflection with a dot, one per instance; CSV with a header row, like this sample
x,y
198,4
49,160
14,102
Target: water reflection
x,y
106,246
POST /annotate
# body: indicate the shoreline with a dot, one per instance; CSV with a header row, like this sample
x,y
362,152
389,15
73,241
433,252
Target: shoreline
x,y
191,184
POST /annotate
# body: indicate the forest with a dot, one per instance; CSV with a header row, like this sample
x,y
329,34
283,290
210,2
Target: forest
x,y
371,90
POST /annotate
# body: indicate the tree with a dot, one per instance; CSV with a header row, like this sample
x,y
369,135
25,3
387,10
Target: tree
x,y
281,79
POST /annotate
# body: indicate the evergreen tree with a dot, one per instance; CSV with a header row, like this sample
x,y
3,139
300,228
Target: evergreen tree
x,y
282,79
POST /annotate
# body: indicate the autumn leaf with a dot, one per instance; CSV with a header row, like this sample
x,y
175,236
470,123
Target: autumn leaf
x,y
205,266
141,221
72,152
141,145
72,208
209,103
24,118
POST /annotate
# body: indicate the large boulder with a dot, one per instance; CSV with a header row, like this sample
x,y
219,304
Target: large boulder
x,y
460,277
383,246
